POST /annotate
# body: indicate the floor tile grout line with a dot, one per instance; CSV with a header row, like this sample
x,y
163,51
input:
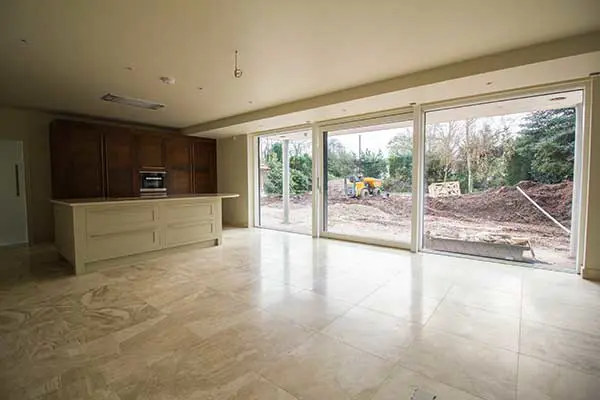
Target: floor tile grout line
x,y
566,366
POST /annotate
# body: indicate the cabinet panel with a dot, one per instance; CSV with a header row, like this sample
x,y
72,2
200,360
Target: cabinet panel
x,y
188,232
98,246
121,168
178,160
119,218
188,212
150,151
77,160
205,166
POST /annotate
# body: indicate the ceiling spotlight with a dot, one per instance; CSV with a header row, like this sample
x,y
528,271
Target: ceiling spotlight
x,y
167,80
489,83
559,98
130,68
250,101
24,41
344,110
200,88
412,103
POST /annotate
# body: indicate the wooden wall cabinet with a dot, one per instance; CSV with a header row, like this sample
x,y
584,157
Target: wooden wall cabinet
x,y
94,160
77,154
178,161
121,168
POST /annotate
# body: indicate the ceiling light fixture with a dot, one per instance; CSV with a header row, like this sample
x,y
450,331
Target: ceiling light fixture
x,y
200,88
24,41
167,80
558,98
237,72
250,101
130,68
489,83
412,103
133,102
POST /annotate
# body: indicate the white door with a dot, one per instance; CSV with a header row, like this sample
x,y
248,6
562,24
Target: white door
x,y
13,206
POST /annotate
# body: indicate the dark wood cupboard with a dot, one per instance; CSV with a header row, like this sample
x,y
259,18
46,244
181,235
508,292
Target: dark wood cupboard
x,y
96,160
178,160
205,166
150,151
121,168
76,154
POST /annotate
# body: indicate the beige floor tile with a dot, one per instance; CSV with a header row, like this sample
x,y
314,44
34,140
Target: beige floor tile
x,y
310,309
412,306
248,387
264,293
541,380
489,328
558,313
403,383
418,281
486,299
77,384
480,370
324,368
375,332
560,346
346,288
104,310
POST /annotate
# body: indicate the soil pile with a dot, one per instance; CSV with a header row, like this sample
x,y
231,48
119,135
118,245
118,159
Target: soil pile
x,y
506,204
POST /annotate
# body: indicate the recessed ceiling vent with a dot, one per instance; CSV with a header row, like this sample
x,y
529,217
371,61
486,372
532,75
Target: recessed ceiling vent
x,y
130,101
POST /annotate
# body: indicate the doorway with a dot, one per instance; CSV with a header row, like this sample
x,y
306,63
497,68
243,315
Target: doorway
x,y
284,190
367,181
13,203
501,179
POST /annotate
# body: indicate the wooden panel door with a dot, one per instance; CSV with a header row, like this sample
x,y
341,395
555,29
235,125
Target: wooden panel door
x,y
77,160
178,161
205,166
150,150
121,168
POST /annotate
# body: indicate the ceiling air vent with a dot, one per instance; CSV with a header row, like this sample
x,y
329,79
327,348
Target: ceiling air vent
x,y
130,101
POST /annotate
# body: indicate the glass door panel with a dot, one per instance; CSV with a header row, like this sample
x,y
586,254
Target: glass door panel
x,y
367,173
285,182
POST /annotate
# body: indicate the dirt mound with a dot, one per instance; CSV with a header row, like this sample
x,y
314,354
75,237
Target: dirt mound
x,y
506,204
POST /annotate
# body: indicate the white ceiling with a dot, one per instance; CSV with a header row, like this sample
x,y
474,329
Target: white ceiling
x,y
289,50
547,72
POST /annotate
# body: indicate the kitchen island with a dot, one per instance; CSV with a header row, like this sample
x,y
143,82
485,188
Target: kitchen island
x,y
98,232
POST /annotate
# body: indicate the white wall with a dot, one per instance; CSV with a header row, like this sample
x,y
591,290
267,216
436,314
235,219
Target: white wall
x,y
232,177
32,128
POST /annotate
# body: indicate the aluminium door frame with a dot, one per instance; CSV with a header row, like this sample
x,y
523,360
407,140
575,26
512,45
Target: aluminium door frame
x,y
319,132
253,146
582,143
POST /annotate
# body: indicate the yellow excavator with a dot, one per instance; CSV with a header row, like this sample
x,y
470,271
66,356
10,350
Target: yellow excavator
x,y
362,187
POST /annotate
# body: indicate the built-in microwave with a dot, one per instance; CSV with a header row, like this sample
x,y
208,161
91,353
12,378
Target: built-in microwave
x,y
153,182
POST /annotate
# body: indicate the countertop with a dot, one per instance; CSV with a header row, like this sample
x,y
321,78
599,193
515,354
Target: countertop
x,y
120,200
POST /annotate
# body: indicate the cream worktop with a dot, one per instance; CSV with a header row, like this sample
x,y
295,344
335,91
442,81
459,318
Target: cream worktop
x,y
91,233
121,200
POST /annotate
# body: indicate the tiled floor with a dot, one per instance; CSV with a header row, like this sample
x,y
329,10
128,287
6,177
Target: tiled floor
x,y
271,315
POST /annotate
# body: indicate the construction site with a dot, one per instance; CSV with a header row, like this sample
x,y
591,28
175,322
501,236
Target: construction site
x,y
501,215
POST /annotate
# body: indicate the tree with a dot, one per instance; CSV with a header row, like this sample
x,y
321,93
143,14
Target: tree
x,y
372,164
545,150
340,162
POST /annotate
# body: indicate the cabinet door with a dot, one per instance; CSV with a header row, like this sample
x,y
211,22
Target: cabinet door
x,y
150,152
77,167
178,160
205,166
121,169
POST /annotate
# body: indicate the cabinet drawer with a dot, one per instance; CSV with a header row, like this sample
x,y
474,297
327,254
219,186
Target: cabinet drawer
x,y
184,233
119,218
189,211
112,245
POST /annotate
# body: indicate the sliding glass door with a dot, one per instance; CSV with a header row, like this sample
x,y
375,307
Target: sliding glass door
x,y
502,179
367,181
284,173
